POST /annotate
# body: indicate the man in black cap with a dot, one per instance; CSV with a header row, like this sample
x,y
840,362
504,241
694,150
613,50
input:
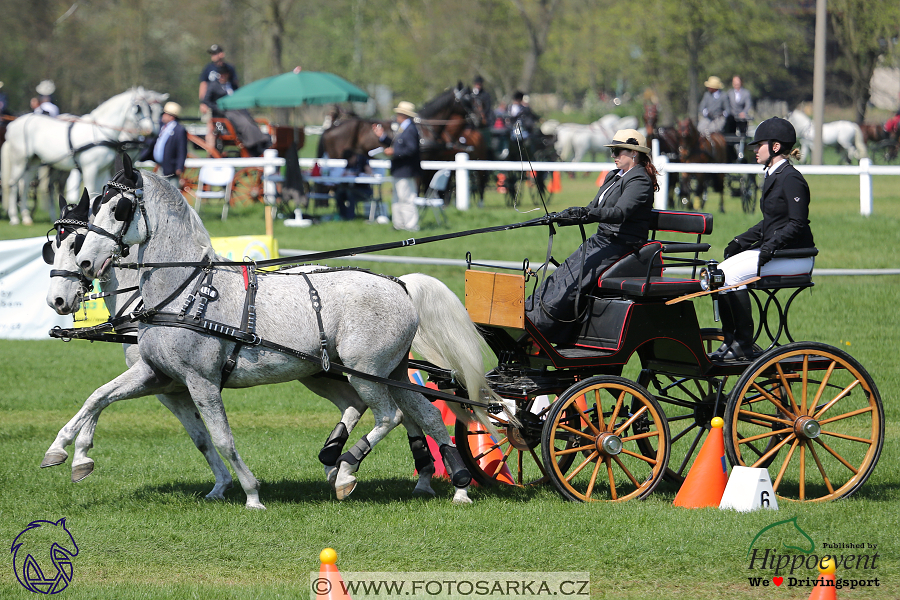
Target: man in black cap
x,y
211,73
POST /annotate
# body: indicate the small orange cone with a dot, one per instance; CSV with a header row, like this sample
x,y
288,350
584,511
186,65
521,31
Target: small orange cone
x,y
330,585
705,484
600,179
555,186
483,443
825,585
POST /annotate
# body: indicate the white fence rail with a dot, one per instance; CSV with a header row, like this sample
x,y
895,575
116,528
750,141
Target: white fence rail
x,y
462,165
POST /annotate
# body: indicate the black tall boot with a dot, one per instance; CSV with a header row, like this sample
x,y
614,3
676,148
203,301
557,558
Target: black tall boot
x,y
727,321
742,313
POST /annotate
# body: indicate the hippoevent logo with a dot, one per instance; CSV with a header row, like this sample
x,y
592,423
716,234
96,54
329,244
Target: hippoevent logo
x,y
42,556
784,554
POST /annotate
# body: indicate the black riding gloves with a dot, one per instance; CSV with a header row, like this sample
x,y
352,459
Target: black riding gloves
x,y
765,255
731,249
572,216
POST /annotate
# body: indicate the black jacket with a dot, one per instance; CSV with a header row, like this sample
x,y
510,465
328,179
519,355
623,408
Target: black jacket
x,y
624,215
406,160
785,208
174,153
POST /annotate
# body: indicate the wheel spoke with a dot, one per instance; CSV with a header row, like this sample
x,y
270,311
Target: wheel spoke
x,y
685,431
815,455
690,452
641,436
576,431
843,394
773,451
584,417
646,459
772,399
501,463
631,420
837,456
593,480
615,414
612,479
787,385
844,436
626,471
584,463
802,409
854,413
822,387
784,465
768,434
574,450
538,462
764,417
495,446
803,470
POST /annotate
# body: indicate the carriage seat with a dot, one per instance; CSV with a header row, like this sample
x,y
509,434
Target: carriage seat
x,y
778,282
641,272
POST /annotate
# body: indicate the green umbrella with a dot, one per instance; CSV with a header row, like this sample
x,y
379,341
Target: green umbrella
x,y
294,89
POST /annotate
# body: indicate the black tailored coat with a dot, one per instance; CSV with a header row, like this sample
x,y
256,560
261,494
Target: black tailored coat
x,y
406,160
624,215
174,153
785,208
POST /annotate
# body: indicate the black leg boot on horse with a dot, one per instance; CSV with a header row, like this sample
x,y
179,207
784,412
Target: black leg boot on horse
x,y
741,311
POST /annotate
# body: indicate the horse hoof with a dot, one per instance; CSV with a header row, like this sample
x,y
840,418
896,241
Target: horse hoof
x,y
345,490
54,457
81,471
255,505
331,474
424,492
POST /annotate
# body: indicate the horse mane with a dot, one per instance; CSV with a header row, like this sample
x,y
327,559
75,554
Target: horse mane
x,y
186,218
110,104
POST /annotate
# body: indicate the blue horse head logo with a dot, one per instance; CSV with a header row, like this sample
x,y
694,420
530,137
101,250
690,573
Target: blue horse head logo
x,y
31,549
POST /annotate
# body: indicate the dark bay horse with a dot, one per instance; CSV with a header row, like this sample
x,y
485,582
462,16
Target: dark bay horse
x,y
696,148
669,141
449,124
350,133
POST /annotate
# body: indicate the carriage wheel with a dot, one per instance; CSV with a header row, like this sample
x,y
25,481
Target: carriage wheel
x,y
690,404
609,464
513,459
247,187
811,412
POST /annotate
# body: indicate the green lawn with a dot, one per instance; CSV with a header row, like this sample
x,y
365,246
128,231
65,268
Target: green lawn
x,y
145,531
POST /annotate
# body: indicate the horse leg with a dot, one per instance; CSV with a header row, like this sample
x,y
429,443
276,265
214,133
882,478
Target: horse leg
x,y
416,407
73,187
208,400
139,380
387,416
345,398
424,462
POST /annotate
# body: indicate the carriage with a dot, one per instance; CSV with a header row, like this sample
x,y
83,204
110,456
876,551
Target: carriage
x,y
806,410
605,417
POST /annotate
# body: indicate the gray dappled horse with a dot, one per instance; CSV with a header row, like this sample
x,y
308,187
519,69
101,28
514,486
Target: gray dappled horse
x,y
65,294
358,311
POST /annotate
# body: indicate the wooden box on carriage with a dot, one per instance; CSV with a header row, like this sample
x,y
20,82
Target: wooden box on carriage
x,y
283,137
496,298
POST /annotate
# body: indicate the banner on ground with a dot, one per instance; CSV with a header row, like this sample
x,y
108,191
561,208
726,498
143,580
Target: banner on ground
x,y
25,277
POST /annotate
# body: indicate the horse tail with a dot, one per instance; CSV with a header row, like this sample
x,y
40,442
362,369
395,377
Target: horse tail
x,y
860,142
448,338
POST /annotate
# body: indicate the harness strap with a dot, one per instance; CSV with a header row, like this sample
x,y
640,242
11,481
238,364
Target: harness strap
x,y
88,333
317,307
189,301
248,321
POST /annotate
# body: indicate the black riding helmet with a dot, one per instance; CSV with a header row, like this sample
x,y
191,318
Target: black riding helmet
x,y
774,130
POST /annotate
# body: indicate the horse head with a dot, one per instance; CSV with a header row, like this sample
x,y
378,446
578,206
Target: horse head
x,y
67,284
690,138
114,213
651,116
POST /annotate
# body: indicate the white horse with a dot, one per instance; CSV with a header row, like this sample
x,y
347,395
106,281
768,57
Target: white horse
x,y
369,323
575,141
87,144
844,135
65,294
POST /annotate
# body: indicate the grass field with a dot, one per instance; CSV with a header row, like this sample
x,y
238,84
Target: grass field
x,y
145,531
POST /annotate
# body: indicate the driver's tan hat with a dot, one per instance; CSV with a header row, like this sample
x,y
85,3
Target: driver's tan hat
x,y
172,108
631,139
714,82
45,88
406,108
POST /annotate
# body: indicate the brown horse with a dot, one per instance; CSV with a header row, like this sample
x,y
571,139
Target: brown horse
x,y
669,141
351,133
448,125
696,148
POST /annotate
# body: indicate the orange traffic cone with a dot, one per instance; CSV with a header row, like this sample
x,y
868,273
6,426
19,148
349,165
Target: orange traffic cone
x,y
825,585
483,443
705,484
600,179
330,585
555,186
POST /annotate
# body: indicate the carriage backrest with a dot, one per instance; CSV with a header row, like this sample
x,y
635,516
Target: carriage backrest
x,y
680,222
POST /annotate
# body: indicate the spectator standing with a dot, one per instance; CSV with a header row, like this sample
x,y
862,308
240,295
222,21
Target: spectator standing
x,y
347,194
739,107
46,106
406,166
169,149
713,107
4,102
483,102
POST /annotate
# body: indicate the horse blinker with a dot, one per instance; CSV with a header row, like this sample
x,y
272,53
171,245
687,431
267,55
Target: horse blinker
x,y
48,253
124,209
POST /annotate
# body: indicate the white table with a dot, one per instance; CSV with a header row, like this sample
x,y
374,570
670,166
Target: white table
x,y
374,180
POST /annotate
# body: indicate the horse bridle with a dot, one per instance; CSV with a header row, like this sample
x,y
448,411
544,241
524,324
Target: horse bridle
x,y
49,254
125,208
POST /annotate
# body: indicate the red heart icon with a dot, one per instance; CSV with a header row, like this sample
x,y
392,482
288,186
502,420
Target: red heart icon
x,y
778,580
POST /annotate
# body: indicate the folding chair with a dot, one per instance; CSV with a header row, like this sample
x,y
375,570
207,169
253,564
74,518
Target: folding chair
x,y
214,176
433,199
